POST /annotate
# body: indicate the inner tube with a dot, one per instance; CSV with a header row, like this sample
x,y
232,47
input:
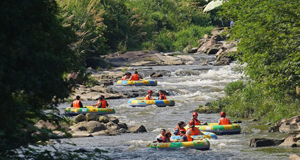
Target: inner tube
x,y
207,135
220,129
141,82
141,102
70,111
198,144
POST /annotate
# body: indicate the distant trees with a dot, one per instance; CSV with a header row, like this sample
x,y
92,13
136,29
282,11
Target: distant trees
x,y
35,55
268,32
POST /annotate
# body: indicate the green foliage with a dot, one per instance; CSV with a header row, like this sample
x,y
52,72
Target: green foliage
x,y
268,32
255,101
35,57
234,87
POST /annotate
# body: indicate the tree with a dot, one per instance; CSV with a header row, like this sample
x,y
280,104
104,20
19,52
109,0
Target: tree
x,y
35,54
268,32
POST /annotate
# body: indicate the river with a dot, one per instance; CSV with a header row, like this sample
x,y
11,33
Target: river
x,y
189,86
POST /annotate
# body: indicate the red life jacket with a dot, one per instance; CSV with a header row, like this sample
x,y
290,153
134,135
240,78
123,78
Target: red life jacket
x,y
103,105
196,121
194,131
224,121
135,77
162,97
76,104
189,138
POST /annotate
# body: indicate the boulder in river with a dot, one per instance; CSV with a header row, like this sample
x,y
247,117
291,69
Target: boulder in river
x,y
263,142
79,118
112,126
291,141
94,126
294,157
42,124
137,129
114,120
81,134
104,119
291,125
92,117
123,125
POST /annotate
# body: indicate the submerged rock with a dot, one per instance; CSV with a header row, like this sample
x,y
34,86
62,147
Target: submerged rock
x,y
91,117
137,129
263,142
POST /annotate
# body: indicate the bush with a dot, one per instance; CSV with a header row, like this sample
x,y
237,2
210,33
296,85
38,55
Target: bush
x,y
232,87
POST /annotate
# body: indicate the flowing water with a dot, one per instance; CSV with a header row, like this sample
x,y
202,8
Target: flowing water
x,y
189,86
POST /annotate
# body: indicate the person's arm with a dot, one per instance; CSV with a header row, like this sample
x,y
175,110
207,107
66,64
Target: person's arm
x,y
176,131
159,139
106,104
218,122
229,121
72,104
140,77
80,104
99,106
130,78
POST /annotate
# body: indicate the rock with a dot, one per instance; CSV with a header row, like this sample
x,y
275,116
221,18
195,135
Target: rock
x,y
112,126
291,141
262,142
186,57
114,120
238,121
206,36
42,124
290,127
123,125
222,61
167,60
122,130
81,134
91,117
79,118
157,75
168,54
79,128
94,126
57,135
137,129
274,129
100,133
294,157
104,119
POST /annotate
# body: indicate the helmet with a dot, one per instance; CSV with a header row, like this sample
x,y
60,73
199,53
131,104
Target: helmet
x,y
222,114
150,91
195,114
182,130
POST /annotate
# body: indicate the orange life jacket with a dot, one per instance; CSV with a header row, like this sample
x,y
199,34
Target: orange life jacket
x,y
224,121
194,131
196,121
162,97
76,104
189,138
103,105
148,97
125,77
177,127
165,139
135,77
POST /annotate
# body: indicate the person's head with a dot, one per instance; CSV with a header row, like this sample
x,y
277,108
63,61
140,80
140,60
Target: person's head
x,y
150,92
191,124
181,124
129,73
135,72
102,96
182,132
163,132
160,92
77,97
223,114
195,115
168,134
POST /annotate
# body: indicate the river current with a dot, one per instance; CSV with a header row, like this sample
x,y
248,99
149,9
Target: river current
x,y
189,86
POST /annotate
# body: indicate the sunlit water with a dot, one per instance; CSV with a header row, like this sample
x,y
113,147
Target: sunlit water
x,y
204,85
